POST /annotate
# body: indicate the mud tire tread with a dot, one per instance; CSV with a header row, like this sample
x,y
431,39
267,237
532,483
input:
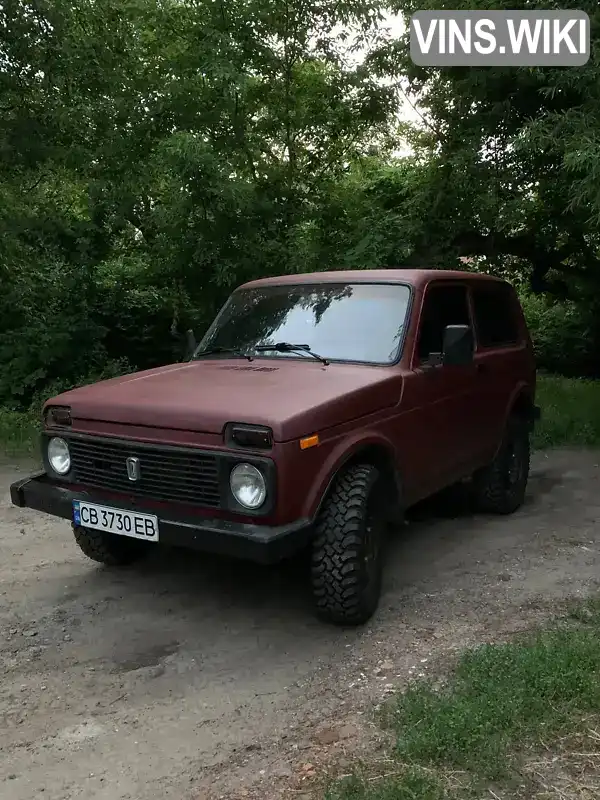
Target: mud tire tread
x,y
108,548
490,493
342,591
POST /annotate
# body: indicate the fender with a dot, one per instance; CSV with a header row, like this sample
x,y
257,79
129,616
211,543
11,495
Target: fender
x,y
344,452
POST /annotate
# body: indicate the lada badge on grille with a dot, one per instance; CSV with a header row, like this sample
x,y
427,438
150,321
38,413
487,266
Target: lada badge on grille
x,y
133,468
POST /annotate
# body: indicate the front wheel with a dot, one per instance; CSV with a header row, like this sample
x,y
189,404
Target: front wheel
x,y
347,550
109,548
499,488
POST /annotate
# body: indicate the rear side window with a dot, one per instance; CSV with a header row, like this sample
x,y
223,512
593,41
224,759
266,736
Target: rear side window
x,y
495,318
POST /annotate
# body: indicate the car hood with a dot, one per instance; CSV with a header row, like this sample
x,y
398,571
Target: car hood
x,y
293,397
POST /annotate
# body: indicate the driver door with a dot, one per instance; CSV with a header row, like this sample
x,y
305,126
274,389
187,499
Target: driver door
x,y
444,396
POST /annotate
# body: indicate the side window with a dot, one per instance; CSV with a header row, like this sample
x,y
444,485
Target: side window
x,y
442,305
494,311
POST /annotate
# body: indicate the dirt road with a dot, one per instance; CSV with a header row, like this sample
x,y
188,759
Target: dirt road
x,y
188,673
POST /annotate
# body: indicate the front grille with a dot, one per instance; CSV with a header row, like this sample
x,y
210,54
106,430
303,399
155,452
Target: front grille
x,y
165,474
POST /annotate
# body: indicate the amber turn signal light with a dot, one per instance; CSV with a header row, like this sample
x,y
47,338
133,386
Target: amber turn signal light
x,y
309,441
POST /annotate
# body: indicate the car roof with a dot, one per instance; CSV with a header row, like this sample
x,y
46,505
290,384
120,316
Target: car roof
x,y
415,277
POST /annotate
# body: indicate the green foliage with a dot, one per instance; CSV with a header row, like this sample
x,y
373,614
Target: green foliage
x,y
152,156
561,334
514,162
19,433
408,784
156,153
498,708
570,412
500,698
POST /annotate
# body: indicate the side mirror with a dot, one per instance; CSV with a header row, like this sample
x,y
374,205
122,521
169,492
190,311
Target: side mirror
x,y
458,345
190,345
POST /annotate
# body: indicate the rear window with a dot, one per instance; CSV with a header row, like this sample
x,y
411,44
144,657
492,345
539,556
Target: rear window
x,y
495,317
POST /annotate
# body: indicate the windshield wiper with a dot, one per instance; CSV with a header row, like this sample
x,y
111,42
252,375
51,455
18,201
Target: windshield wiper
x,y
212,351
288,347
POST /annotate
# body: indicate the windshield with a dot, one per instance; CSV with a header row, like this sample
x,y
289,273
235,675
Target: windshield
x,y
342,322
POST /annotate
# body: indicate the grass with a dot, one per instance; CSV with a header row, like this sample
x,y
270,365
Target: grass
x,y
502,705
570,412
18,433
414,784
500,698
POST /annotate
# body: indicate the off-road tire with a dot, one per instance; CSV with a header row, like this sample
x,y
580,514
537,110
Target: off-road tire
x,y
347,561
499,488
109,548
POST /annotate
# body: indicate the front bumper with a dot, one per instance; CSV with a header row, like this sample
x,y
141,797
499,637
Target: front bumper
x,y
259,543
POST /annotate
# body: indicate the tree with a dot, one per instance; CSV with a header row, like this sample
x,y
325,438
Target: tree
x,y
154,153
514,159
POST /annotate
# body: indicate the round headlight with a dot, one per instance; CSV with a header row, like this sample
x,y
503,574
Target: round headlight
x,y
248,486
59,457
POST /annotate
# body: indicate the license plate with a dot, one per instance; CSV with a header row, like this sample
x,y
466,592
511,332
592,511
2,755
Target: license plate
x,y
115,520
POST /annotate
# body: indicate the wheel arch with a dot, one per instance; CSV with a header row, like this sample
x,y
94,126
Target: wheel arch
x,y
379,453
522,405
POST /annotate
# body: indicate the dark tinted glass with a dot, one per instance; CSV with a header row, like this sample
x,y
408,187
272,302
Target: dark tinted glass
x,y
494,312
443,305
346,322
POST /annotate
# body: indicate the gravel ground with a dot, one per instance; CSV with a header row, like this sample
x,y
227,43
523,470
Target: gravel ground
x,y
191,676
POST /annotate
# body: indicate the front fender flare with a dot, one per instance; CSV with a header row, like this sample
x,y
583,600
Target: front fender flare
x,y
341,455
